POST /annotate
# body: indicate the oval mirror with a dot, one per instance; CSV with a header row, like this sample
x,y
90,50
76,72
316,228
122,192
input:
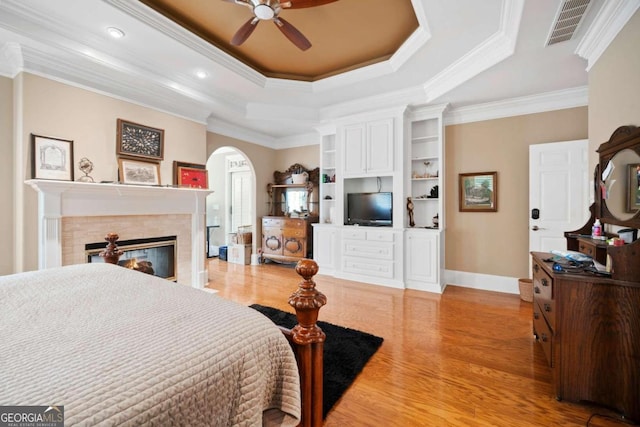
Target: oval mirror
x,y
621,180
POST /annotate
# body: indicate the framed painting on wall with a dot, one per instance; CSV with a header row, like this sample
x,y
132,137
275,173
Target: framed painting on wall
x,y
51,158
139,141
190,175
478,192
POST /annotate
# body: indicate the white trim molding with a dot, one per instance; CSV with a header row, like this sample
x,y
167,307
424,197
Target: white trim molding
x,y
549,101
485,282
611,18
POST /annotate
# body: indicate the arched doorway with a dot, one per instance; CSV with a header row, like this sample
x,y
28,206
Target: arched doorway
x,y
232,203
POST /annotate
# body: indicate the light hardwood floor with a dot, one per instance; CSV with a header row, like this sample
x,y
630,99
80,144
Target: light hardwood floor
x,y
463,358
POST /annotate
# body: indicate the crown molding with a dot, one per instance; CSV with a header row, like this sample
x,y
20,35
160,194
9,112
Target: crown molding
x,y
549,101
493,50
222,127
298,141
12,62
609,21
181,35
404,97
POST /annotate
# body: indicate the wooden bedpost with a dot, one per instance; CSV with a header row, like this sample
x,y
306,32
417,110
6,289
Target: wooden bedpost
x,y
307,301
111,254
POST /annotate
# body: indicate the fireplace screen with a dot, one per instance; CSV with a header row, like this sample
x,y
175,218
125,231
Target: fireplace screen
x,y
155,255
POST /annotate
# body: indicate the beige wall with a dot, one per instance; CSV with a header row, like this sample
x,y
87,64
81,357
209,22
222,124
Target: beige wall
x,y
497,243
614,86
6,172
308,156
89,119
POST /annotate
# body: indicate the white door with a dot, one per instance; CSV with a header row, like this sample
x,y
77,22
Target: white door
x,y
559,191
240,203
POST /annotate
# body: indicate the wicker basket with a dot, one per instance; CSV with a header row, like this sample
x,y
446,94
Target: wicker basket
x,y
244,234
526,289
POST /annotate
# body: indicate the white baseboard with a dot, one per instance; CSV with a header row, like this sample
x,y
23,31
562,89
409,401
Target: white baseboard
x,y
486,282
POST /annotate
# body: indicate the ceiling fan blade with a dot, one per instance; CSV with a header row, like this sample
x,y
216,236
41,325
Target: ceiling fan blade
x,y
292,34
244,32
300,4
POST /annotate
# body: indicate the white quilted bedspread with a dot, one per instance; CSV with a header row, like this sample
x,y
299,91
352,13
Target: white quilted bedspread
x,y
119,347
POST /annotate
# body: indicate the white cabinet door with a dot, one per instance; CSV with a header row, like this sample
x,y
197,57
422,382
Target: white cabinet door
x,y
379,147
353,150
325,247
367,148
422,260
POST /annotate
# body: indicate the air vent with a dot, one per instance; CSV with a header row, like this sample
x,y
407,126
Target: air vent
x,y
567,20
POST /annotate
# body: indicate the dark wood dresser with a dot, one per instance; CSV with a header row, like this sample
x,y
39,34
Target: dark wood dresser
x,y
589,324
589,329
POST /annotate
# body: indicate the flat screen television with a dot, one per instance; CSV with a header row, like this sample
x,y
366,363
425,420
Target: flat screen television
x,y
374,209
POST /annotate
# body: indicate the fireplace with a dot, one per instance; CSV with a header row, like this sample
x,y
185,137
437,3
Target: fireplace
x,y
70,214
156,255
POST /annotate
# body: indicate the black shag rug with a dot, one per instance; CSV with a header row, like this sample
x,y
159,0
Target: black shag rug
x,y
346,351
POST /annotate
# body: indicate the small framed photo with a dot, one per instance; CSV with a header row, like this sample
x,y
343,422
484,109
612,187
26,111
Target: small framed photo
x,y
138,141
633,193
478,192
51,158
138,172
190,175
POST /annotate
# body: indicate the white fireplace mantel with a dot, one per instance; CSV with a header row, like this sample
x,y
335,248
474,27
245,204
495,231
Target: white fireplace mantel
x,y
58,199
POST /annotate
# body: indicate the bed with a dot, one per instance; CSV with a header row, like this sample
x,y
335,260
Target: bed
x,y
119,347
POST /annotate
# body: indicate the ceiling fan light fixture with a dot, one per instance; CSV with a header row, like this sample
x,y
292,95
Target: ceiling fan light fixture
x,y
264,12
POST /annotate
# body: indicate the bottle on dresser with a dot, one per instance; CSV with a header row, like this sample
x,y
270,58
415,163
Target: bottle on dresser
x,y
596,230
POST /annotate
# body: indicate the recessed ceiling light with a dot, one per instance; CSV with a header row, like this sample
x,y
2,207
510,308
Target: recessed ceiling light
x,y
116,33
201,74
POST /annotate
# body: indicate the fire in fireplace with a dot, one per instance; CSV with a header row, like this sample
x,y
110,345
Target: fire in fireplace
x,y
156,255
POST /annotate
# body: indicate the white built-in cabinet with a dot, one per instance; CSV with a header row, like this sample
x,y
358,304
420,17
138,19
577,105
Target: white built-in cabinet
x,y
399,150
367,148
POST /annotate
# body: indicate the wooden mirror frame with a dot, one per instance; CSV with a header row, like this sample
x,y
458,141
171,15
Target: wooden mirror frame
x,y
625,137
284,181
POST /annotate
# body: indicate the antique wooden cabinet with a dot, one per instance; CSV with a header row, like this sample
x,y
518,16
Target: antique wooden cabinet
x,y
287,239
287,235
588,322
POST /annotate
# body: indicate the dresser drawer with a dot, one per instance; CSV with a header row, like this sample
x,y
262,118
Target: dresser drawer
x,y
379,236
368,250
294,232
272,222
355,234
295,223
542,283
368,267
543,333
587,248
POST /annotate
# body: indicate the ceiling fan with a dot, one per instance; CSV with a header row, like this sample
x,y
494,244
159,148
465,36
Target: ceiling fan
x,y
268,10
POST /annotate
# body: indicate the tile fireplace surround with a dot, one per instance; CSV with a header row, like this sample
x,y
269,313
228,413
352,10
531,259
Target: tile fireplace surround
x,y
71,214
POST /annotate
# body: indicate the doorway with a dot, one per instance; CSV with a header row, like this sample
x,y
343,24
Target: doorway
x,y
558,192
232,203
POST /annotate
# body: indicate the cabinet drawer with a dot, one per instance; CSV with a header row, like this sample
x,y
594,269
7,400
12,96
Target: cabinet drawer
x,y
379,236
542,283
354,234
271,222
543,333
368,250
587,248
294,232
368,267
295,223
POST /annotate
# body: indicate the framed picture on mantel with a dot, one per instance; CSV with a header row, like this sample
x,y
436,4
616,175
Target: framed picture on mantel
x,y
478,192
51,158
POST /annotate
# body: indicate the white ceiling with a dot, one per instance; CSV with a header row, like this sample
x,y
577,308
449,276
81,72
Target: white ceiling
x,y
465,53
